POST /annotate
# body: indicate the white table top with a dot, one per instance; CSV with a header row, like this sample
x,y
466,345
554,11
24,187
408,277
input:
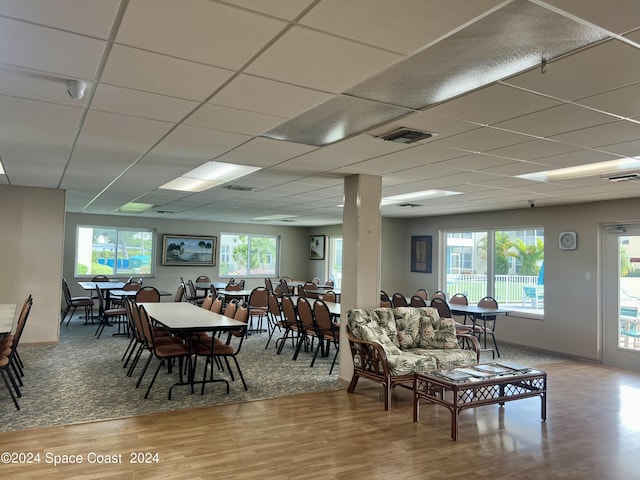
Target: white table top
x,y
238,293
102,285
7,315
187,316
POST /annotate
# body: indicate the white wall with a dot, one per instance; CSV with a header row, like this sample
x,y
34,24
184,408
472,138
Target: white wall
x,y
572,303
293,247
32,226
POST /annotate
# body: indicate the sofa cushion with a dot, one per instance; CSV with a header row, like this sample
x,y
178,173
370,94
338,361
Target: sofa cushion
x,y
408,362
446,358
436,332
375,325
408,327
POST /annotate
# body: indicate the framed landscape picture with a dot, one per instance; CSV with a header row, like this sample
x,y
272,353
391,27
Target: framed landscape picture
x,y
421,253
188,250
316,247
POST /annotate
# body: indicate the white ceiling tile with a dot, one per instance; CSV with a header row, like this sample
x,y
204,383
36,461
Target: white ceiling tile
x,y
475,162
266,96
233,120
482,139
35,111
140,104
288,9
145,129
49,50
402,25
493,104
626,149
617,16
582,157
242,158
623,101
560,119
311,59
534,149
275,148
88,17
585,73
602,135
156,73
214,141
197,30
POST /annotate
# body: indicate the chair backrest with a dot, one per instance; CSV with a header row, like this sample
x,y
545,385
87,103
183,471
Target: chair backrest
x,y
192,289
284,285
22,320
259,298
230,309
399,300
305,314
241,283
179,293
133,318
242,315
488,302
148,294
442,306
439,294
421,292
274,307
384,296
268,284
100,278
323,321
386,304
329,296
232,281
208,302
329,283
66,291
217,305
418,301
132,286
203,279
101,301
459,299
233,287
301,291
315,281
307,287
146,328
289,311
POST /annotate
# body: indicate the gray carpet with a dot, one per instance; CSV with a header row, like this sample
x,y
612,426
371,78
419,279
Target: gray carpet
x,y
81,379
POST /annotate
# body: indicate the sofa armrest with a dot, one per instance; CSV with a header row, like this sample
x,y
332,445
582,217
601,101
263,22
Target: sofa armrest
x,y
372,356
471,342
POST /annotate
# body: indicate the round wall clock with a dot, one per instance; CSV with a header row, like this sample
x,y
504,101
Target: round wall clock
x,y
568,240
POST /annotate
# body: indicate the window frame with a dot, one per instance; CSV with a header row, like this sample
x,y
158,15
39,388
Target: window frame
x,y
275,273
115,274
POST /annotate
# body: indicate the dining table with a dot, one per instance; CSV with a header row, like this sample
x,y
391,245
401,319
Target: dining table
x,y
132,293
206,286
7,316
105,287
335,309
189,319
475,313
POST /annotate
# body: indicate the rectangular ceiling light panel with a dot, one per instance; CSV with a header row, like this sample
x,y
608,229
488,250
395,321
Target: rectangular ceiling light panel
x,y
209,175
508,41
338,118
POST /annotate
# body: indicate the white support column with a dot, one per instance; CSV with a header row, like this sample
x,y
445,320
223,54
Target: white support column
x,y
361,237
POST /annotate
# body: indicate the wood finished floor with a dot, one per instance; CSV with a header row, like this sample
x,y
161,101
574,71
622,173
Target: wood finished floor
x,y
592,432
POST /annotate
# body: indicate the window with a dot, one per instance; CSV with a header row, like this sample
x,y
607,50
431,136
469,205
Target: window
x,y
248,255
114,251
505,264
335,261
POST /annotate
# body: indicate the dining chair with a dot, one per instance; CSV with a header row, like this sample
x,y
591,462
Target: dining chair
x,y
207,302
330,283
180,293
327,331
74,303
439,294
8,379
148,294
329,296
417,301
258,306
10,342
384,296
399,300
291,324
172,349
421,292
216,306
488,326
192,294
301,291
229,349
315,281
268,284
130,286
275,318
307,328
460,299
99,278
308,286
107,314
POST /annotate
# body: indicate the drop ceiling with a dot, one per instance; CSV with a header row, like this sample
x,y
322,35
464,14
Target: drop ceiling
x,y
303,88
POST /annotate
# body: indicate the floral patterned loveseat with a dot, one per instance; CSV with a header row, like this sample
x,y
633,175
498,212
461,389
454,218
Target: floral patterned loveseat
x,y
389,344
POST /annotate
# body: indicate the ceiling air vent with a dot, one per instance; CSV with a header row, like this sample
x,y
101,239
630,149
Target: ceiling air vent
x,y
238,188
406,135
622,177
409,205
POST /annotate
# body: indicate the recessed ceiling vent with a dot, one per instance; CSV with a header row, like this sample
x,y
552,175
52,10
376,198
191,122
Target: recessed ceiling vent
x,y
409,205
622,177
238,188
406,135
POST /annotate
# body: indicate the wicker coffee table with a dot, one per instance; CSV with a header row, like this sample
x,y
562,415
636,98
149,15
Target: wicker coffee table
x,y
488,384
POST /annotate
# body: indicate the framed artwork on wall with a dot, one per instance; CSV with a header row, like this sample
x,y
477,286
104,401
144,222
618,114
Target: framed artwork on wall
x,y
421,249
188,250
316,247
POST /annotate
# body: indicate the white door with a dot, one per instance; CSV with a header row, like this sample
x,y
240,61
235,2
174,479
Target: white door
x,y
621,296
